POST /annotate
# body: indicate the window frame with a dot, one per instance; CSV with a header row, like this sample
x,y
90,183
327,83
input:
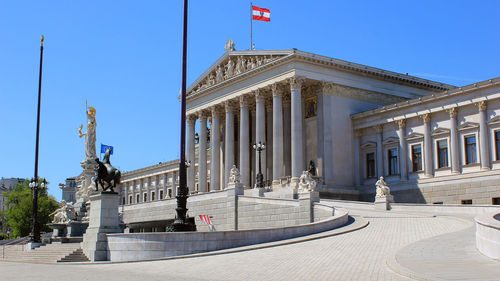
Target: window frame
x,y
465,149
422,165
437,153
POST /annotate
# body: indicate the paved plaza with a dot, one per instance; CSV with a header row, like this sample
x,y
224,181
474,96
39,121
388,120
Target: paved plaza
x,y
393,246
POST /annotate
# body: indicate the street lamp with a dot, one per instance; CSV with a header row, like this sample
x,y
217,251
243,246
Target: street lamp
x,y
260,177
35,228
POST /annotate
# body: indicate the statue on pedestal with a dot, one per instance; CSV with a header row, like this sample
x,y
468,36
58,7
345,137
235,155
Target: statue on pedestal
x,y
234,175
90,135
64,214
107,175
306,182
382,188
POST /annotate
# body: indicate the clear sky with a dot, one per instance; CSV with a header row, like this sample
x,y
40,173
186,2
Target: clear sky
x,y
124,58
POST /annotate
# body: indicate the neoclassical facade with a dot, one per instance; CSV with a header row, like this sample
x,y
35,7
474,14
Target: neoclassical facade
x,y
346,123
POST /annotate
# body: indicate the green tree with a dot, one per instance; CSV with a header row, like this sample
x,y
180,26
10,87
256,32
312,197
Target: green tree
x,y
18,216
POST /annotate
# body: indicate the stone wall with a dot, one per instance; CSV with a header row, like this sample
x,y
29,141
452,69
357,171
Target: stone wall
x,y
481,188
141,246
267,213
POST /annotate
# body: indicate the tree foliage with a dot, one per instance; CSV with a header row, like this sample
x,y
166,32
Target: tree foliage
x,y
18,215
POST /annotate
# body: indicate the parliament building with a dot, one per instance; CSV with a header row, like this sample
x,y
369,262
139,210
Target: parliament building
x,y
347,124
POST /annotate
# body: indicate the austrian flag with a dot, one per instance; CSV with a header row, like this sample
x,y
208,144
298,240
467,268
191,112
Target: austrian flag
x,y
262,14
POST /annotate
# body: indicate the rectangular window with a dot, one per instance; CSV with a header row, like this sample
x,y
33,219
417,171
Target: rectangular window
x,y
497,145
495,201
170,193
161,195
123,201
416,157
137,199
392,157
130,200
442,147
153,196
145,197
370,165
438,203
470,149
467,202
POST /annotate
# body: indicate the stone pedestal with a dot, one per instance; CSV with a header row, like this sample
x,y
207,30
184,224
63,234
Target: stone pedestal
x,y
59,229
76,228
307,200
383,202
258,192
103,219
233,191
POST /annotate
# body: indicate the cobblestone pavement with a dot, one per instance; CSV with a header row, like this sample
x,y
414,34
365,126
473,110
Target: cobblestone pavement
x,y
358,255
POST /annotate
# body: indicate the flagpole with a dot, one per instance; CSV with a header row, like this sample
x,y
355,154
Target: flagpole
x,y
251,22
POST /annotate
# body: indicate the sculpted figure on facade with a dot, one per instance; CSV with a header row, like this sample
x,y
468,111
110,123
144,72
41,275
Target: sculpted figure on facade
x,y
210,80
219,76
234,175
306,182
229,45
239,65
229,68
382,188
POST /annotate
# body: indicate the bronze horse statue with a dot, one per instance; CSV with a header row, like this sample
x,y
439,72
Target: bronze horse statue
x,y
106,173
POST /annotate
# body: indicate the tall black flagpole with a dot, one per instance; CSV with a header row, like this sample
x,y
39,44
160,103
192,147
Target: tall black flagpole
x,y
181,222
35,228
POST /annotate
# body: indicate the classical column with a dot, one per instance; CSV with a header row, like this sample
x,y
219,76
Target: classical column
x,y
165,180
202,153
428,170
156,189
483,136
134,188
244,142
191,119
357,168
260,130
215,147
403,157
174,189
296,128
125,192
148,190
229,142
380,157
455,158
277,133
141,191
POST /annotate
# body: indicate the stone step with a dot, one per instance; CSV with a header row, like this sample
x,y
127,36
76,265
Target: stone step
x,y
51,253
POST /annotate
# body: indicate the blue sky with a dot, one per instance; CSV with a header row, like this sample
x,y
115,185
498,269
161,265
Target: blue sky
x,y
124,58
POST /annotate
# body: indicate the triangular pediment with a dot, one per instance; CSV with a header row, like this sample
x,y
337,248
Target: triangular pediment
x,y
468,125
440,131
369,145
391,140
414,136
235,64
494,120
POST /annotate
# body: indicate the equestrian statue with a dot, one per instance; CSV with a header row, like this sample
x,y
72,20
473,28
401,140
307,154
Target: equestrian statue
x,y
107,175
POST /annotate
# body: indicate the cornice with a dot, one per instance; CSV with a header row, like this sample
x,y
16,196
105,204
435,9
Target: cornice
x,y
429,98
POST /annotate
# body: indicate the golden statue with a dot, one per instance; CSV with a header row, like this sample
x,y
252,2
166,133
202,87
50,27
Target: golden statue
x,y
90,135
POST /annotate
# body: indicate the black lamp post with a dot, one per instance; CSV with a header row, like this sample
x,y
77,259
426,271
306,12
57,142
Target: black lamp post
x,y
35,229
181,222
260,177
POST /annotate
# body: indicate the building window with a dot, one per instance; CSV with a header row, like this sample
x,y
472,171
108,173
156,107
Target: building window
x,y
442,146
470,150
130,199
467,202
370,165
153,196
137,198
497,145
495,201
123,201
170,193
392,156
416,157
438,203
161,195
145,197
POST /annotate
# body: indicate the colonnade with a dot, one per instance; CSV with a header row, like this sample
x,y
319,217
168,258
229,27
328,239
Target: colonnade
x,y
249,103
484,159
148,189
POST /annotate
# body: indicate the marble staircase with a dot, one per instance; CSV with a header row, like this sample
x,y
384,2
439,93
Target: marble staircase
x,y
51,253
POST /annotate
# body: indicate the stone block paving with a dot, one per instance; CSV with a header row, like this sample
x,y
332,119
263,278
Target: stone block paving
x,y
358,255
